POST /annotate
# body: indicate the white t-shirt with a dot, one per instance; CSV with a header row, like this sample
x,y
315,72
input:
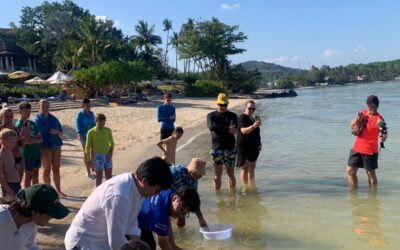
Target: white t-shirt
x,y
13,238
108,214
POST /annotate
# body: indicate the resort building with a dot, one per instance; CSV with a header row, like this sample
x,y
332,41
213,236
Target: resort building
x,y
13,57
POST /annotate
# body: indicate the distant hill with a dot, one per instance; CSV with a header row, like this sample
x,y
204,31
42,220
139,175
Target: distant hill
x,y
269,71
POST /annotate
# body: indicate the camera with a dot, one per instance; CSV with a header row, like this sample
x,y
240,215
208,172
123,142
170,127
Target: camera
x,y
382,131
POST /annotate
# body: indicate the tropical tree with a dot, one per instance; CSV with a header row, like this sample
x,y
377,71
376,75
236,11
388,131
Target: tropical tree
x,y
175,43
167,27
145,38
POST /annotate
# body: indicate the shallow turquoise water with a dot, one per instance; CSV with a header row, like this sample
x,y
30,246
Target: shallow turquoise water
x,y
302,199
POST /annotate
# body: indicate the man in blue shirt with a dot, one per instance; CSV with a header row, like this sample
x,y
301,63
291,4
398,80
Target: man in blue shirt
x,y
156,211
166,115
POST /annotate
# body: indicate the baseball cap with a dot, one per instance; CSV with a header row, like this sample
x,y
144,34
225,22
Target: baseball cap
x,y
222,99
197,166
44,198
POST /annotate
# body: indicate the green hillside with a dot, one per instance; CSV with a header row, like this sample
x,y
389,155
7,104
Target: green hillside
x,y
270,72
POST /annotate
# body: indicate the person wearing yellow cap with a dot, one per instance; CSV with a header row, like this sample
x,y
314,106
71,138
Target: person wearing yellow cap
x,y
223,126
188,176
19,221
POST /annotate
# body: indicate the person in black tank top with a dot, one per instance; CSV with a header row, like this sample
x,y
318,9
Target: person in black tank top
x,y
248,144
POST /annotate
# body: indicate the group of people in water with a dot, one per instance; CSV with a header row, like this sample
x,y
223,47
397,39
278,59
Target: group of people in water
x,y
128,210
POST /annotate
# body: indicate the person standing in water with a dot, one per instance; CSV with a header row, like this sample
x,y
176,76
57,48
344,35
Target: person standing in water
x,y
223,126
364,153
248,144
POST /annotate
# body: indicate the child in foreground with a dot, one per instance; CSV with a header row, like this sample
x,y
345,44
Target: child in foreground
x,y
19,221
168,145
99,149
9,173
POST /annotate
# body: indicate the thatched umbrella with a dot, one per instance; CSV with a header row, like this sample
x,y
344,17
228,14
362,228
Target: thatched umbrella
x,y
18,74
36,80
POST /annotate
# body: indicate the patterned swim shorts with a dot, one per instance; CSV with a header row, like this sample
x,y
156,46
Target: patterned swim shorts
x,y
100,162
223,156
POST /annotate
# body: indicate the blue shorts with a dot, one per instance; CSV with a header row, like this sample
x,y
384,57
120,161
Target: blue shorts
x,y
100,162
224,156
33,162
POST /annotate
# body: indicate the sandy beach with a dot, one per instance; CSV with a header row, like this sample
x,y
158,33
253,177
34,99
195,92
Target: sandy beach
x,y
135,132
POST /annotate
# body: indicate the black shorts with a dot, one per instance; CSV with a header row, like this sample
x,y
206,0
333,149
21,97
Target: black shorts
x,y
146,235
358,160
246,153
165,133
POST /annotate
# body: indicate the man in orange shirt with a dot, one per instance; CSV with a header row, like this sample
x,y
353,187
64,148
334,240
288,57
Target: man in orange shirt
x,y
364,153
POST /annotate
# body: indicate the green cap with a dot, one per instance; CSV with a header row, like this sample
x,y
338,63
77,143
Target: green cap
x,y
44,198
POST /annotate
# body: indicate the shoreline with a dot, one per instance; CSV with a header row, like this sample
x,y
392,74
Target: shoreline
x,y
136,133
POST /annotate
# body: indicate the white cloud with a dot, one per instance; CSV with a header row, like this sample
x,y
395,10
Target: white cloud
x,y
295,58
117,24
226,6
331,53
101,18
280,59
359,48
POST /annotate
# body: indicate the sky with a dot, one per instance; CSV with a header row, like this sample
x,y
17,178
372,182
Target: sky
x,y
293,33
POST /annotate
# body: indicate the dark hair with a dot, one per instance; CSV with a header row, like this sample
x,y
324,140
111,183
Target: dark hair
x,y
135,244
373,99
85,100
24,105
100,117
189,198
178,130
167,95
156,171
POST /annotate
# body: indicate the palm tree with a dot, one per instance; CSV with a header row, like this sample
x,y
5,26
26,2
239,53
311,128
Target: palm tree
x,y
94,33
145,38
175,44
167,27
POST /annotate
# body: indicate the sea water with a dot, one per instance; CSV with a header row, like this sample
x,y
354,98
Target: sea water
x,y
302,199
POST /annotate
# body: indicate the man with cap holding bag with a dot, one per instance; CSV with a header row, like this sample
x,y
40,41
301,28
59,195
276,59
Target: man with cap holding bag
x,y
188,176
223,126
364,154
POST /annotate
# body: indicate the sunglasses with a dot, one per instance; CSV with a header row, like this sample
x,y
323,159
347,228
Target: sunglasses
x,y
251,108
223,105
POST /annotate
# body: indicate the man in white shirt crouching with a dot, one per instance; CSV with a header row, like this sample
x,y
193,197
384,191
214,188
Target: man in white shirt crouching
x,y
109,215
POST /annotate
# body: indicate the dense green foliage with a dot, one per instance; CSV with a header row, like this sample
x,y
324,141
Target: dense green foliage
x,y
30,91
270,72
116,73
377,71
67,37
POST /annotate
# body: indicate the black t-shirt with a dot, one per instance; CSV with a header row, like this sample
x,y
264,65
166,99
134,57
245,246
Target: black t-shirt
x,y
219,124
251,139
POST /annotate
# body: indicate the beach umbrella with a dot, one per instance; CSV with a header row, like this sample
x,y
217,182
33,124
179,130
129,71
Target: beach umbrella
x,y
157,83
36,80
18,74
59,78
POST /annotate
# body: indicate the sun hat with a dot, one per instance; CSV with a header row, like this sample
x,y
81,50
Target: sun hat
x,y
197,166
44,198
373,100
222,99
